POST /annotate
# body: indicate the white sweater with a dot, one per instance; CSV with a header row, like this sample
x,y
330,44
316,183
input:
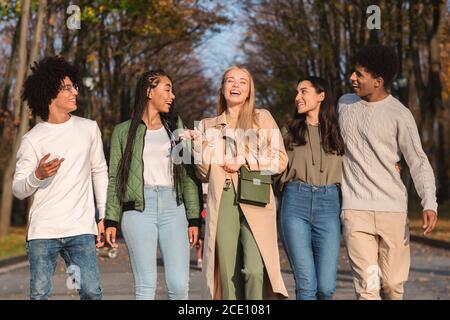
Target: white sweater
x,y
63,204
376,135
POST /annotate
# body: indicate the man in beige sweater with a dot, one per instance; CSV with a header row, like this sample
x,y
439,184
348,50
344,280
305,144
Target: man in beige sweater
x,y
377,130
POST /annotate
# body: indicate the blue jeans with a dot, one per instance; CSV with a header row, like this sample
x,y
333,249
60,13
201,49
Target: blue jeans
x,y
310,229
164,222
80,257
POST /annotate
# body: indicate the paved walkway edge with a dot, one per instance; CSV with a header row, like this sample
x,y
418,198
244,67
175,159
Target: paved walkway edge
x,y
9,264
431,242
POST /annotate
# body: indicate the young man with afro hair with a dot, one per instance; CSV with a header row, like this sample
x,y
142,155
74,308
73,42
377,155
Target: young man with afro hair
x,y
61,162
377,130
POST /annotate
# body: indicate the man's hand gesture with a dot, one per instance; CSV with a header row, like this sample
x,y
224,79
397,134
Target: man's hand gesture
x,y
47,169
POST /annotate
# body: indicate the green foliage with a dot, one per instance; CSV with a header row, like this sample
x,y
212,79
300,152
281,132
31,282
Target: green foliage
x,y
13,244
9,10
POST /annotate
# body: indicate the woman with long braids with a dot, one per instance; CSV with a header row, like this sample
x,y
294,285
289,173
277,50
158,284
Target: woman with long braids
x,y
310,208
159,198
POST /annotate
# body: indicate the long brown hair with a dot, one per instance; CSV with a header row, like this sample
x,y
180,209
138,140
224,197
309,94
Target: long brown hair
x,y
247,114
328,120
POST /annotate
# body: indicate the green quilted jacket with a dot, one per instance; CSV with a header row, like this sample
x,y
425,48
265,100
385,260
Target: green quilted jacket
x,y
187,190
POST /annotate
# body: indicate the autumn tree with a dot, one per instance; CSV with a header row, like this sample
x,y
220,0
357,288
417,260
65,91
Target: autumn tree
x,y
288,39
116,41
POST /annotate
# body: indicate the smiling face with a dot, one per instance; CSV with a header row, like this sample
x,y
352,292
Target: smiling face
x,y
162,97
236,87
363,82
307,99
66,100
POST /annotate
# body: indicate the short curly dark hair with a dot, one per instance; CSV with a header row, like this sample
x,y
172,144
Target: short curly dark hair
x,y
380,61
45,82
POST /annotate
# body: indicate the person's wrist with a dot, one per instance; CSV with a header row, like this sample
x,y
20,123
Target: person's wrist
x,y
194,222
38,175
110,224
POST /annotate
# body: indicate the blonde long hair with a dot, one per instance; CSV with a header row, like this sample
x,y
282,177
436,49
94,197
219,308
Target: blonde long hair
x,y
247,115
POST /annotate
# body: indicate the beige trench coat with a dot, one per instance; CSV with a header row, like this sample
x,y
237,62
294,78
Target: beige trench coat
x,y
262,220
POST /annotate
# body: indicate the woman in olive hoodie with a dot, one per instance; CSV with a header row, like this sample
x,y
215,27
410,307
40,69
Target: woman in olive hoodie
x,y
310,206
158,197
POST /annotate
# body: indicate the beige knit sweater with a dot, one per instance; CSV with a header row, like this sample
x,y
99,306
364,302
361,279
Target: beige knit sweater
x,y
376,134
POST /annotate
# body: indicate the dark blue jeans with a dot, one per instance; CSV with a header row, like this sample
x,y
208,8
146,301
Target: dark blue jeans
x,y
79,255
310,229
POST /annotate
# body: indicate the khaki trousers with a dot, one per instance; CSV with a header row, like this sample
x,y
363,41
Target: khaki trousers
x,y
379,252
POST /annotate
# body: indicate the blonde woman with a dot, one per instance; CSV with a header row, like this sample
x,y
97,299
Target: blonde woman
x,y
241,258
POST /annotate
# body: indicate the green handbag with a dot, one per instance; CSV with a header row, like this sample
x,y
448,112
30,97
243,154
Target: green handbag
x,y
254,187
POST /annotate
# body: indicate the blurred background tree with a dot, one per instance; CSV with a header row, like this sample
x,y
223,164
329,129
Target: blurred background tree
x,y
288,39
117,41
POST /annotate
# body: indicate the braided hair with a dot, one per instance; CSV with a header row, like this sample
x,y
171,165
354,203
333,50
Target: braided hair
x,y
146,82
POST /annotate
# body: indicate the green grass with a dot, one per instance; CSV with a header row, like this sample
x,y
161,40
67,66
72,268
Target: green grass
x,y
14,243
442,230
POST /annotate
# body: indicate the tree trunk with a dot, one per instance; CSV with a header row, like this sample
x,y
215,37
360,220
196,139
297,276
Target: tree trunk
x,y
7,197
22,59
9,70
50,32
6,204
439,113
5,123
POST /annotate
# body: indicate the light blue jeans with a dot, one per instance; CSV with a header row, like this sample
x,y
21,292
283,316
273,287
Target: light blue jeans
x,y
310,229
164,222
